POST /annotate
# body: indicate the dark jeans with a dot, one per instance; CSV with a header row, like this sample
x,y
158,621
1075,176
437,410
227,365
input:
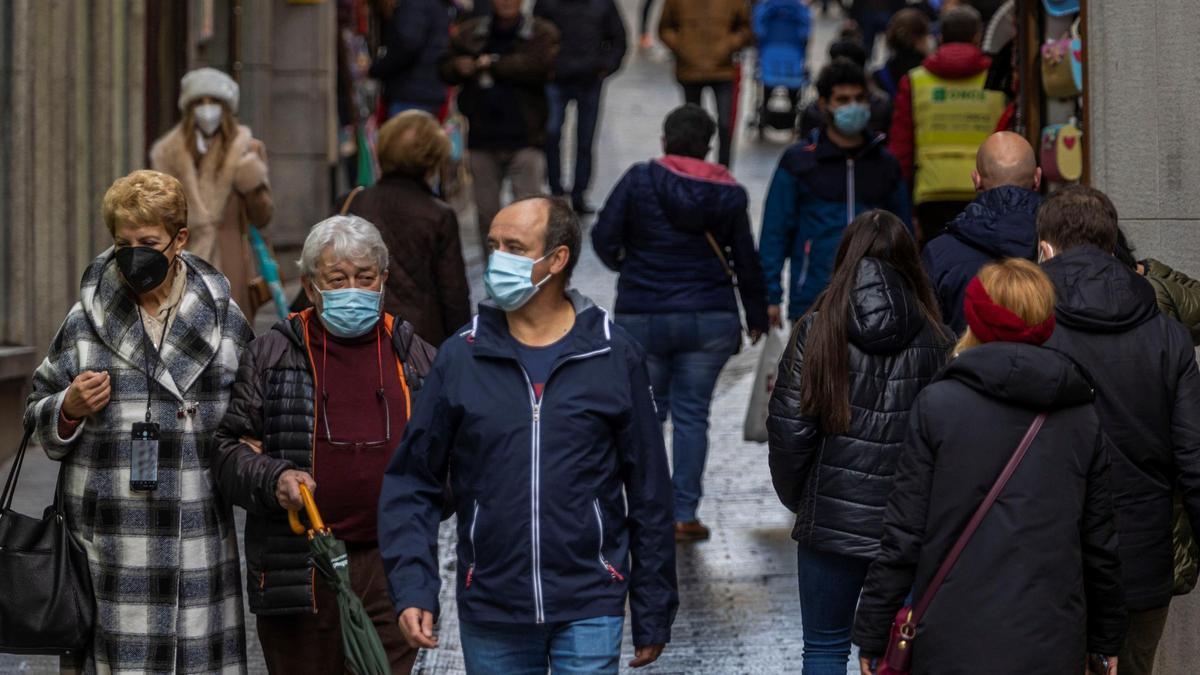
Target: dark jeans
x,y
872,24
586,96
312,643
685,353
933,216
829,588
1141,642
723,91
583,647
644,26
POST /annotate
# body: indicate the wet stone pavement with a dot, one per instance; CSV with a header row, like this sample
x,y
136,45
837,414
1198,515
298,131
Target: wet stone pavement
x,y
739,611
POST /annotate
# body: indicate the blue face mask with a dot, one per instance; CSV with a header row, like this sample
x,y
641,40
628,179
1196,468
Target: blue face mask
x,y
851,119
350,312
509,279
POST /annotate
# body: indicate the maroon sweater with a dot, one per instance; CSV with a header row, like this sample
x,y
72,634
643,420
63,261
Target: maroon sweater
x,y
349,471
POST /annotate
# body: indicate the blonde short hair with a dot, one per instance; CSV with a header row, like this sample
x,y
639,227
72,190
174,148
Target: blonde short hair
x,y
413,144
146,197
1020,287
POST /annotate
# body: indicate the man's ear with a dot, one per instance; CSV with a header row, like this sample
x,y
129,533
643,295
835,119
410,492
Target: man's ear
x,y
1045,251
310,291
977,180
560,259
1037,179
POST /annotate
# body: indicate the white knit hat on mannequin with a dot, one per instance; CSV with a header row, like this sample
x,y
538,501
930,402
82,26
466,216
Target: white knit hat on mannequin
x,y
208,82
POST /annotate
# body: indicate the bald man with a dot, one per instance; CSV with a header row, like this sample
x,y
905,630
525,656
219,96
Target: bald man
x,y
999,223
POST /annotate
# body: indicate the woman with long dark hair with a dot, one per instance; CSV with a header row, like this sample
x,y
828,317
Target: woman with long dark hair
x,y
855,363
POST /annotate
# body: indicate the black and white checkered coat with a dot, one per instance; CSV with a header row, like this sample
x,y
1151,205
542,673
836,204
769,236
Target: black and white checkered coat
x,y
164,564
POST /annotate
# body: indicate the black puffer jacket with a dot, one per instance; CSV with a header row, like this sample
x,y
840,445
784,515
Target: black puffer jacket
x,y
273,401
1148,399
838,485
1038,586
594,33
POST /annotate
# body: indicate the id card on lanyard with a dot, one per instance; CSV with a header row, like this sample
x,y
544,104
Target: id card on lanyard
x,y
143,458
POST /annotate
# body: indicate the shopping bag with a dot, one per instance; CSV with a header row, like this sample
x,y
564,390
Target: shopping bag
x,y
755,426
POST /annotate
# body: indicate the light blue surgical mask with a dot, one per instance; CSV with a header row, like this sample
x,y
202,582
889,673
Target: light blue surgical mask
x,y
350,312
509,279
852,118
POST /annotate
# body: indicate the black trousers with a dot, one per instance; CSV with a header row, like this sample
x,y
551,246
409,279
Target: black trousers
x,y
723,91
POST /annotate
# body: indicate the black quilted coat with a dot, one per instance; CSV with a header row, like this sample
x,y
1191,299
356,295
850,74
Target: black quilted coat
x,y
838,485
273,401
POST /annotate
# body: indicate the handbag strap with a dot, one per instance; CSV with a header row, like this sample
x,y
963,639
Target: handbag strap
x,y
14,472
712,242
915,618
350,200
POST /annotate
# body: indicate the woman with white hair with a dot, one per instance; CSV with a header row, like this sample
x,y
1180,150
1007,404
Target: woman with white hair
x,y
223,169
321,400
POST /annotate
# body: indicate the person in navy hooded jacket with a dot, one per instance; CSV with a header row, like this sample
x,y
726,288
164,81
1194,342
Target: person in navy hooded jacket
x,y
677,231
820,185
540,412
1000,223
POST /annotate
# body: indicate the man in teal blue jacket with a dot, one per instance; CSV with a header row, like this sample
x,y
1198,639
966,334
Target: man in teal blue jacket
x,y
820,186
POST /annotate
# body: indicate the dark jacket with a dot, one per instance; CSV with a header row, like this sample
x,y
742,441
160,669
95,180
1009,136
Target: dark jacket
x,y
413,40
519,78
273,402
1039,584
595,34
1148,399
564,504
1000,223
427,282
1178,295
651,230
838,484
817,189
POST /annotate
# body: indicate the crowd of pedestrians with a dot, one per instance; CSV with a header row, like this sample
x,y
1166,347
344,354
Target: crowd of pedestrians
x,y
927,273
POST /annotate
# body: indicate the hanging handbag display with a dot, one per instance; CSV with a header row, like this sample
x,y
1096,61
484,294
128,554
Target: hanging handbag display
x,y
1058,70
1062,152
897,660
46,600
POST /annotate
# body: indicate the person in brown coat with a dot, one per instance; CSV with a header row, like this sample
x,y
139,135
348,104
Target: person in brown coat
x,y
427,285
704,36
223,169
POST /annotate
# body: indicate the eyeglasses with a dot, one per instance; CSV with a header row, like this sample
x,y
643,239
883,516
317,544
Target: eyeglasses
x,y
379,394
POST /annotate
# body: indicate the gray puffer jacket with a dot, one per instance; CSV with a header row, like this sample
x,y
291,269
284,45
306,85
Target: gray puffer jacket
x,y
838,485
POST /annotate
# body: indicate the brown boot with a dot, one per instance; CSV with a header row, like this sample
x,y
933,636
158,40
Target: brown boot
x,y
691,531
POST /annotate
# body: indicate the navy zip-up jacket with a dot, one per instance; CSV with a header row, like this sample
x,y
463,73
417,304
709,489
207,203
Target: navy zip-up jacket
x,y
540,487
817,189
1000,223
651,231
414,36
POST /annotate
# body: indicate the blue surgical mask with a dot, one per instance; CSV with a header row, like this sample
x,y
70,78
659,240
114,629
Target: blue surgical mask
x,y
851,119
350,312
509,279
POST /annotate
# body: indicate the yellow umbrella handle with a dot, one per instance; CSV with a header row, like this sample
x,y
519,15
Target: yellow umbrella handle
x,y
310,507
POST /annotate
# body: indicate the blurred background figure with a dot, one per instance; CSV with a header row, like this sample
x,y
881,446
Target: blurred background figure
x,y
908,45
415,33
427,282
223,169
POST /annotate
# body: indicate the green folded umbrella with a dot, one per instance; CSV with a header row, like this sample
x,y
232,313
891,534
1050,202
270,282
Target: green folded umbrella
x,y
364,650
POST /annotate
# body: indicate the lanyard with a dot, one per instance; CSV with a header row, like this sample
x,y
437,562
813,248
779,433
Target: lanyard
x,y
151,374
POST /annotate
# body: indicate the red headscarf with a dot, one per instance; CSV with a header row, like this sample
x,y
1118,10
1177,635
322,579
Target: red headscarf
x,y
991,322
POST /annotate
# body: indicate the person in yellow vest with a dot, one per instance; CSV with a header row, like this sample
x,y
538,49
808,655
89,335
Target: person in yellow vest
x,y
942,115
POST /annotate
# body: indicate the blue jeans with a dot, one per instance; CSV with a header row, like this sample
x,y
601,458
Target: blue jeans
x,y
685,352
830,584
586,96
397,107
584,647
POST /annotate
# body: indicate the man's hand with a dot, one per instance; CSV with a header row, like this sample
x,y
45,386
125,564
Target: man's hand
x,y
864,664
287,491
645,655
755,335
87,395
484,62
417,626
464,65
775,316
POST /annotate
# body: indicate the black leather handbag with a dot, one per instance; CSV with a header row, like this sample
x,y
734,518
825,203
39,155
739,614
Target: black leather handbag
x,y
46,601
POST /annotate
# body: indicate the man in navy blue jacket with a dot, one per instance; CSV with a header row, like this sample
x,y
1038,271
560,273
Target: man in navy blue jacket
x,y
1000,223
677,231
820,186
541,414
414,36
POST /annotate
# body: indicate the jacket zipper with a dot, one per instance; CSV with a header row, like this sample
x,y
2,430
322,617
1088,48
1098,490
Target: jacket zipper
x,y
616,576
535,471
851,198
471,538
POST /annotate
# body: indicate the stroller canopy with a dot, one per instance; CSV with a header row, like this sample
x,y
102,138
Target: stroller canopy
x,y
782,28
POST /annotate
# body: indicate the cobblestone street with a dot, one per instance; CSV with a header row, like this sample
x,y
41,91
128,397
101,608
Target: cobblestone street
x,y
739,608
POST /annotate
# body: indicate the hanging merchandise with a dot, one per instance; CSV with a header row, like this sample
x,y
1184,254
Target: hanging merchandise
x,y
1058,79
1062,152
1061,7
1077,56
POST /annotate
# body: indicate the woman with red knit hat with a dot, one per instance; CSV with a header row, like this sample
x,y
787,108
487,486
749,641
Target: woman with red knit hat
x,y
1035,586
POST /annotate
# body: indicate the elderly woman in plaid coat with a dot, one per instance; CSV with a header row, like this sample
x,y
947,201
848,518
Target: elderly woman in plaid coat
x,y
153,334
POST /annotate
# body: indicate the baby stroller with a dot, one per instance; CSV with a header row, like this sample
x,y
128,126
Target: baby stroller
x,y
782,28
